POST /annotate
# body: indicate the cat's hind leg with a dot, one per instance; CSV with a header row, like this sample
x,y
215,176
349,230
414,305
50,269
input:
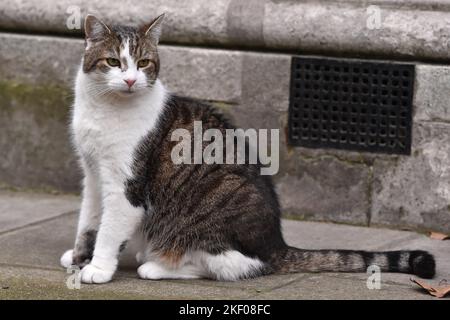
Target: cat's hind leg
x,y
157,266
229,265
154,270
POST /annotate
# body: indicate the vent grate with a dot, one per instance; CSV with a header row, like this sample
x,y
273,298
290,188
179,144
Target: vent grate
x,y
353,105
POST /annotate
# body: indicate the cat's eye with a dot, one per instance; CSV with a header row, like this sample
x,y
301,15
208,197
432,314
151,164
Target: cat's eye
x,y
143,63
113,62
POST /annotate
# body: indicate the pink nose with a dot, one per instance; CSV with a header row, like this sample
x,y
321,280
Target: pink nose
x,y
130,82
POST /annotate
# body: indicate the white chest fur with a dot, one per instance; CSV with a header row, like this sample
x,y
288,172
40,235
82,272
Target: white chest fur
x,y
107,130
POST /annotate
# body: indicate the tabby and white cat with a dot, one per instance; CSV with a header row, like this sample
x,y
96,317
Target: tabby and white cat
x,y
201,220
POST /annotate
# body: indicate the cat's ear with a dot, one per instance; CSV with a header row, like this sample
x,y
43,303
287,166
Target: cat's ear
x,y
153,29
94,28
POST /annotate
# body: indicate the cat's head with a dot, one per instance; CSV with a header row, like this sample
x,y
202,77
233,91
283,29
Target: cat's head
x,y
121,60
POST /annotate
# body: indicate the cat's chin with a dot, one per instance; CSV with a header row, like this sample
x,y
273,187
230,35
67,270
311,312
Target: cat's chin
x,y
126,93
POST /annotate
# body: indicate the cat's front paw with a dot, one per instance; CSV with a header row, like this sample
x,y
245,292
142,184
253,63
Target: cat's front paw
x,y
94,274
71,258
67,259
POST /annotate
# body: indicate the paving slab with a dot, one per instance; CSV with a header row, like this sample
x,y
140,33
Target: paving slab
x,y
334,286
39,245
18,209
35,283
29,263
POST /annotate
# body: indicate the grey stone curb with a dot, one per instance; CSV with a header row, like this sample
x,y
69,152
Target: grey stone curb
x,y
407,29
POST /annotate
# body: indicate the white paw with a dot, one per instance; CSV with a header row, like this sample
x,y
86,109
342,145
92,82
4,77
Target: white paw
x,y
152,271
93,274
66,259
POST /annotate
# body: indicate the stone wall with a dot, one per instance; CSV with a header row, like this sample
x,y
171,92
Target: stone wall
x,y
252,87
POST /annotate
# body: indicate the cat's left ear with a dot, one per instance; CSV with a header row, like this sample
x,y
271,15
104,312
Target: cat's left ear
x,y
94,28
153,29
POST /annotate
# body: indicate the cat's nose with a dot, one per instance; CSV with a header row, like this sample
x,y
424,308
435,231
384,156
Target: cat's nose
x,y
130,82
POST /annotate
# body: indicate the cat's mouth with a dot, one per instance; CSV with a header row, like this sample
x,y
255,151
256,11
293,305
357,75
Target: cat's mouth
x,y
126,92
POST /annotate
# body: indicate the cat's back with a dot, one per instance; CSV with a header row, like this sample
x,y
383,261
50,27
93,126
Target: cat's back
x,y
160,171
183,112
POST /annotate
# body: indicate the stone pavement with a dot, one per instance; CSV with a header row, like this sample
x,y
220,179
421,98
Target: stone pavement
x,y
35,229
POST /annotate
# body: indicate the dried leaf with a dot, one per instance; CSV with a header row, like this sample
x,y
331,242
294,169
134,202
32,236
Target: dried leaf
x,y
439,291
439,236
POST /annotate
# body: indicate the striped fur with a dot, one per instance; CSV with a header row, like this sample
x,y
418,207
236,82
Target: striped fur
x,y
216,208
292,259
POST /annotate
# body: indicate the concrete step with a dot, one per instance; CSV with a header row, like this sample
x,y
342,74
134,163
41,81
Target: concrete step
x,y
390,28
44,227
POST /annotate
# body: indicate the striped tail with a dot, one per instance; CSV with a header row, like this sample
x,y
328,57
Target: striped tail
x,y
420,263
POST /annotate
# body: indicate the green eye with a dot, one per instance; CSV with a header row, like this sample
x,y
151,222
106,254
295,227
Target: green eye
x,y
113,62
143,63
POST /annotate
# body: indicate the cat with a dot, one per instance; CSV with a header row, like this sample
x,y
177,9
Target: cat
x,y
217,221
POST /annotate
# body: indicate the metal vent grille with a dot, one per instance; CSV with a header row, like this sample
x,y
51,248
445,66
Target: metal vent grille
x,y
354,105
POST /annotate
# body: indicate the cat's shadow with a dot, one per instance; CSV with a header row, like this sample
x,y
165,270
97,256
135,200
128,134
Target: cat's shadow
x,y
127,261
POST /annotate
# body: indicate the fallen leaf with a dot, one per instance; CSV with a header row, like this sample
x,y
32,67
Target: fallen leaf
x,y
439,236
439,291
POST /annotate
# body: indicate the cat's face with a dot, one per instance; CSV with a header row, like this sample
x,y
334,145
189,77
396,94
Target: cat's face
x,y
121,60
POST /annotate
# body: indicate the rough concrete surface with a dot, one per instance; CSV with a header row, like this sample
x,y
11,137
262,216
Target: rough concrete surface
x,y
345,186
415,191
394,28
30,251
431,93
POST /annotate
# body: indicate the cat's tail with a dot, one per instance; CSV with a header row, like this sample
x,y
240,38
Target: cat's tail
x,y
420,263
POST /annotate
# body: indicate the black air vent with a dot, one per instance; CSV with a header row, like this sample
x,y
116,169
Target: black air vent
x,y
354,105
